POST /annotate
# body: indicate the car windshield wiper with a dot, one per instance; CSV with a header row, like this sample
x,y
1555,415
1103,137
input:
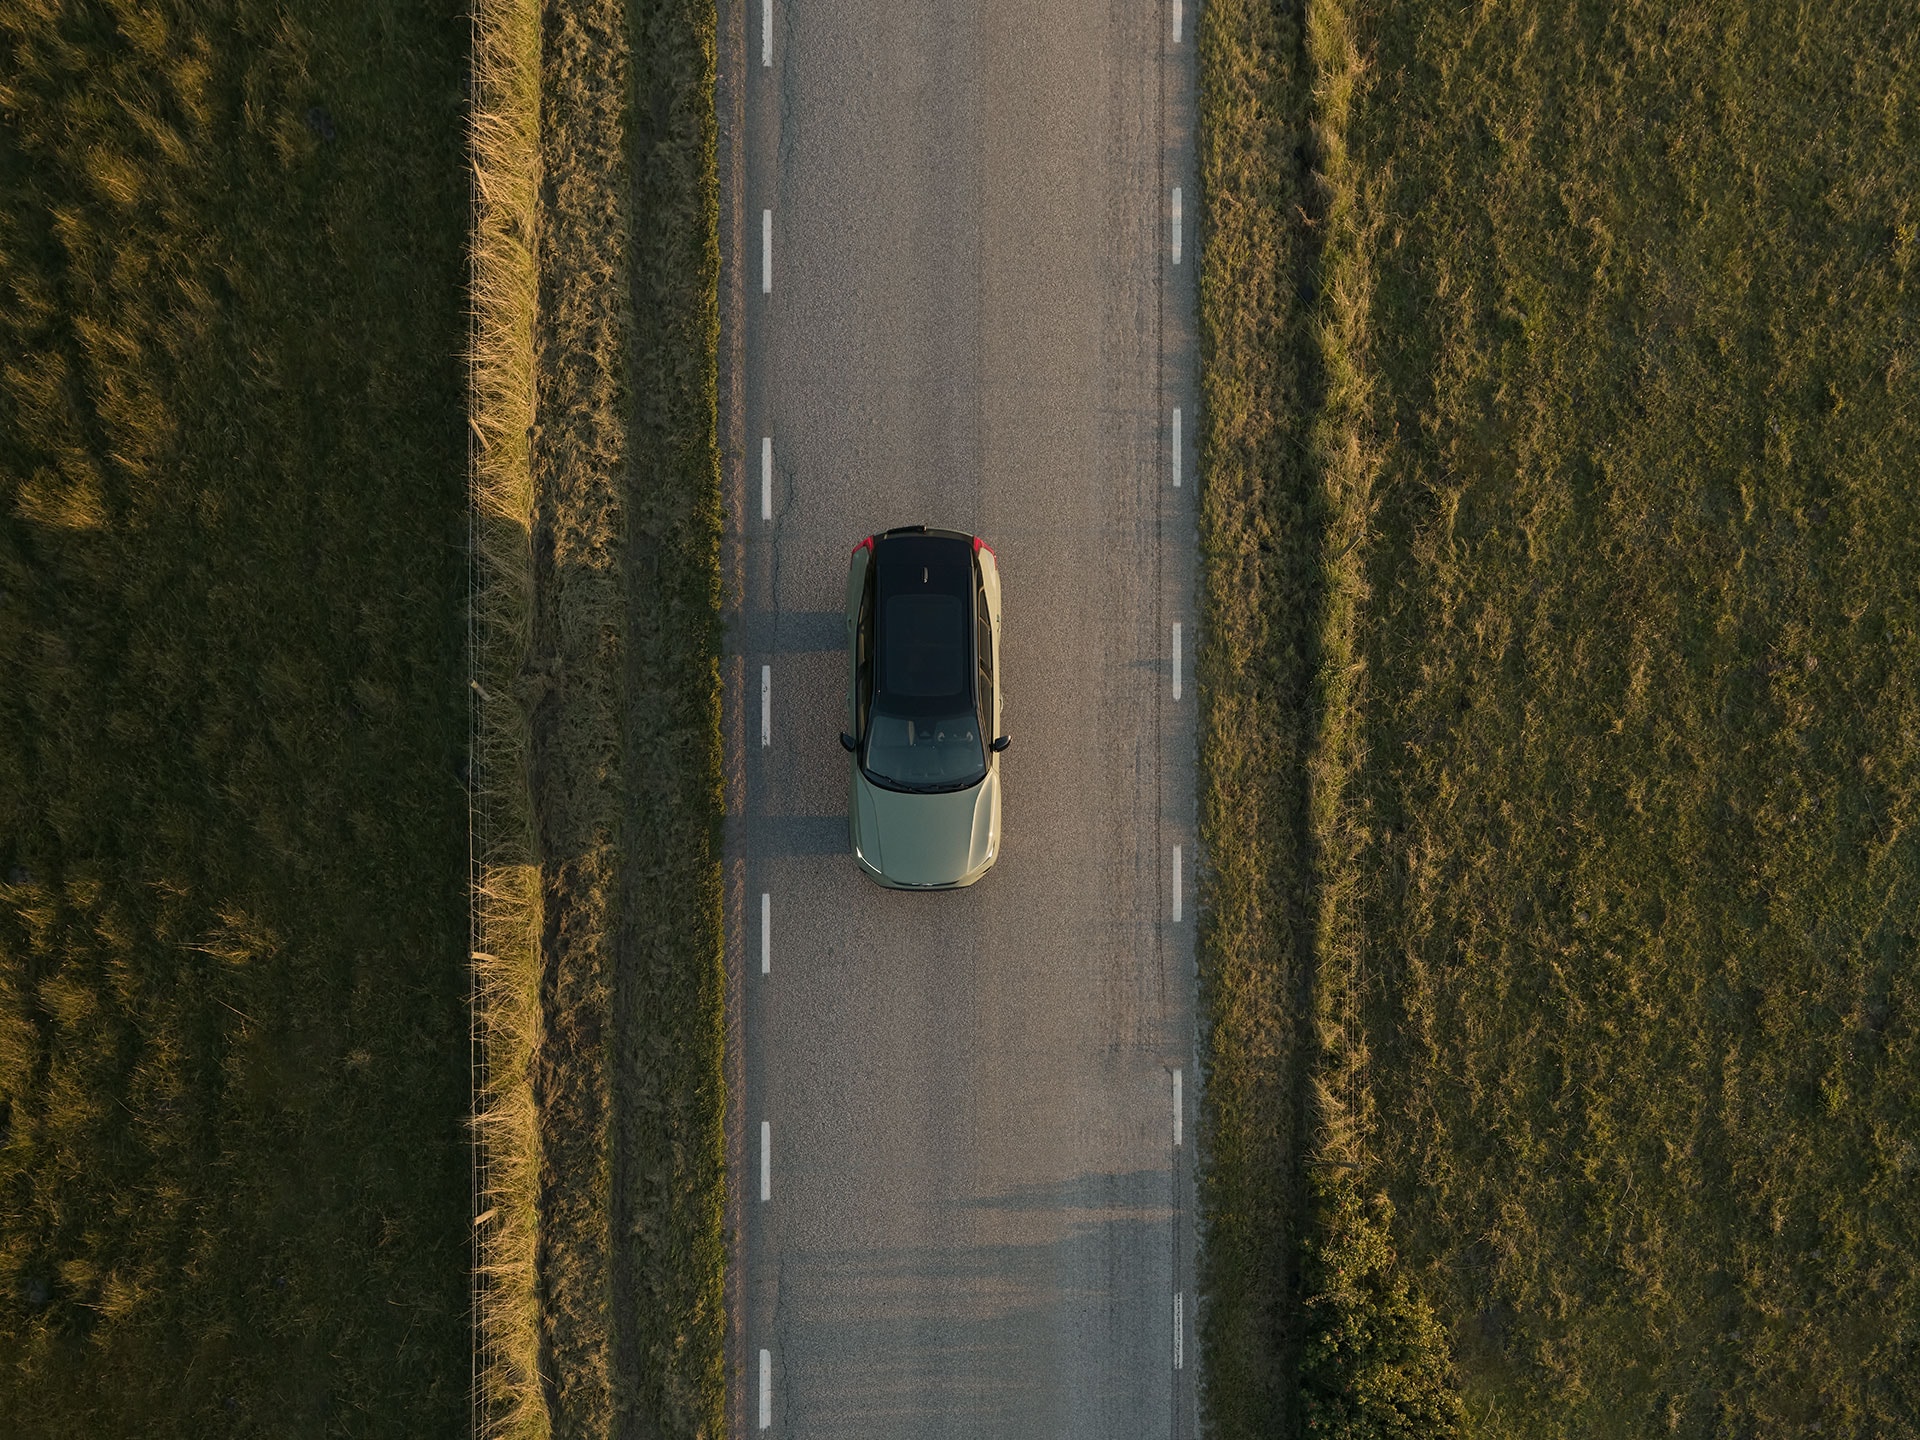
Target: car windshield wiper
x,y
910,787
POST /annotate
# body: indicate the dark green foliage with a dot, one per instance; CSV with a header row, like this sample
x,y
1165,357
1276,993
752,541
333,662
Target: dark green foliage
x,y
1376,1364
233,1170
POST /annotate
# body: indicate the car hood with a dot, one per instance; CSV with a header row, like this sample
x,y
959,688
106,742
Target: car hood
x,y
925,839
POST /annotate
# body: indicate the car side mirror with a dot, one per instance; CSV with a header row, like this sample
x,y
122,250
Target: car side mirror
x,y
848,743
1000,743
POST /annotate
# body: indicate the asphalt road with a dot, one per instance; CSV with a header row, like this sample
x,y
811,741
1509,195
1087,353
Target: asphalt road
x,y
978,1212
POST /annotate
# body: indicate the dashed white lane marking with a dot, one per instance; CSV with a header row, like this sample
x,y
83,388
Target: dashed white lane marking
x,y
766,1389
1176,447
1179,15
766,706
766,252
1176,884
766,932
766,477
1176,224
1176,661
1176,1107
766,1160
1179,1331
766,31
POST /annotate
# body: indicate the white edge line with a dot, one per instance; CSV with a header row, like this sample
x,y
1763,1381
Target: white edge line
x,y
1176,659
766,252
766,705
1176,884
766,477
766,1389
1176,1107
1177,456
766,1160
766,932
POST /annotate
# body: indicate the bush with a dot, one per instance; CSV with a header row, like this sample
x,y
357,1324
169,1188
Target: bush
x,y
1377,1363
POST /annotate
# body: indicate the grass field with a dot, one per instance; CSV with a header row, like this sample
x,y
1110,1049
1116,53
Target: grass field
x,y
1610,772
233,1165
1639,766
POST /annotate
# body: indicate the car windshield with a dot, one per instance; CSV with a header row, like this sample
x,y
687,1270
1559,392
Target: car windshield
x,y
925,754
923,732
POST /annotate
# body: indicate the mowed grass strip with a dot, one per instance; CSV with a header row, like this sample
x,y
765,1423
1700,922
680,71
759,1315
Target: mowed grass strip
x,y
1640,786
1260,527
622,690
233,1164
670,1009
574,680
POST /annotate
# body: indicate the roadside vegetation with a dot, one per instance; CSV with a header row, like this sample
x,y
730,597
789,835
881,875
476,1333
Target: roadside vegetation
x,y
1309,1326
1259,536
233,1080
621,692
1607,1085
509,1401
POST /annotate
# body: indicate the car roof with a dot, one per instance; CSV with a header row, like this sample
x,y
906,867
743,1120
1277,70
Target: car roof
x,y
945,555
909,566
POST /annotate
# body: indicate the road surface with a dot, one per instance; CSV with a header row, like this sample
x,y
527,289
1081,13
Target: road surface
x,y
957,289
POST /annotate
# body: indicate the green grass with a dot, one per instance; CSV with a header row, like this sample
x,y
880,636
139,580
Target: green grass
x,y
623,699
1604,840
233,1165
1640,727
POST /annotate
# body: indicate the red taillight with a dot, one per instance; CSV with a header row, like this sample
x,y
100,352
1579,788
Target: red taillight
x,y
866,545
979,545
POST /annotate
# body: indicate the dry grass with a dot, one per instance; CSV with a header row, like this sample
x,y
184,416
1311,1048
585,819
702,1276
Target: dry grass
x,y
507,925
1376,1362
512,1399
574,680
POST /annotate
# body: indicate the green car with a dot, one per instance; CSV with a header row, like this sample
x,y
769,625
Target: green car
x,y
923,643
